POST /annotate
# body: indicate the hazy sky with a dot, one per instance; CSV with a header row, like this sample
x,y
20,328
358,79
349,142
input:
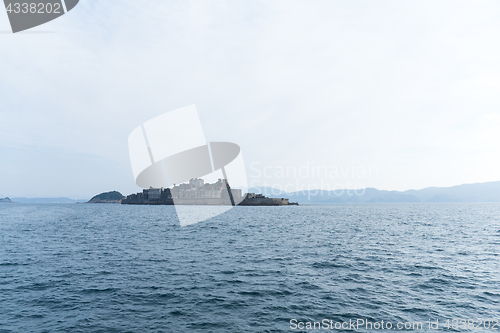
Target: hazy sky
x,y
405,93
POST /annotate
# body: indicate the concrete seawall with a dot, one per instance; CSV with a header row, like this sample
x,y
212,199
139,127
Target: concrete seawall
x,y
210,202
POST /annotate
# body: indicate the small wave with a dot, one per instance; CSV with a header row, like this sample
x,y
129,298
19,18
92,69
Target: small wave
x,y
491,294
425,267
165,295
430,287
36,316
250,293
98,290
177,313
438,281
329,264
279,292
308,285
228,272
9,264
415,310
38,286
233,305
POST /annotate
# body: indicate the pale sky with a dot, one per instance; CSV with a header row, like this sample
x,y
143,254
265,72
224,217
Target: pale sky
x,y
410,89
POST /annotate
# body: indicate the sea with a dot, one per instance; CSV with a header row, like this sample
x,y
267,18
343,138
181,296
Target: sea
x,y
353,267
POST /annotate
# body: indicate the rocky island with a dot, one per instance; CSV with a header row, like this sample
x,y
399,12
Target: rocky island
x,y
197,192
107,197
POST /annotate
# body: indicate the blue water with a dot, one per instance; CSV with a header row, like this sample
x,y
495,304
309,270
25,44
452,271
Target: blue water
x,y
116,268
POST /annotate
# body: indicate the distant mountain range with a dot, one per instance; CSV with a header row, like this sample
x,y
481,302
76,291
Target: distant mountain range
x,y
480,192
47,200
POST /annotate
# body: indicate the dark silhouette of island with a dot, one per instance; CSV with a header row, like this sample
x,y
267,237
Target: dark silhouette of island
x,y
197,192
5,200
107,197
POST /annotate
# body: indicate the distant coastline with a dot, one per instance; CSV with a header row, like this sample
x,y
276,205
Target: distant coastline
x,y
473,193
24,200
478,192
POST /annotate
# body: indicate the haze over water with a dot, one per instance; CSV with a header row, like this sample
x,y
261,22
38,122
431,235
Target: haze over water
x,y
117,268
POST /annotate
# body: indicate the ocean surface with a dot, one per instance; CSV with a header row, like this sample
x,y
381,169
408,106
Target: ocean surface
x,y
116,268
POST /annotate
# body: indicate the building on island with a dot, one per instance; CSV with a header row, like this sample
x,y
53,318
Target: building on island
x,y
197,192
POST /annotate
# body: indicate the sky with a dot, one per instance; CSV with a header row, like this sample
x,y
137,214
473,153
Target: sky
x,y
394,95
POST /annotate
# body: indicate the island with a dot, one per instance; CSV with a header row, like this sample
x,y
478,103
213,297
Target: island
x,y
107,197
5,200
197,192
